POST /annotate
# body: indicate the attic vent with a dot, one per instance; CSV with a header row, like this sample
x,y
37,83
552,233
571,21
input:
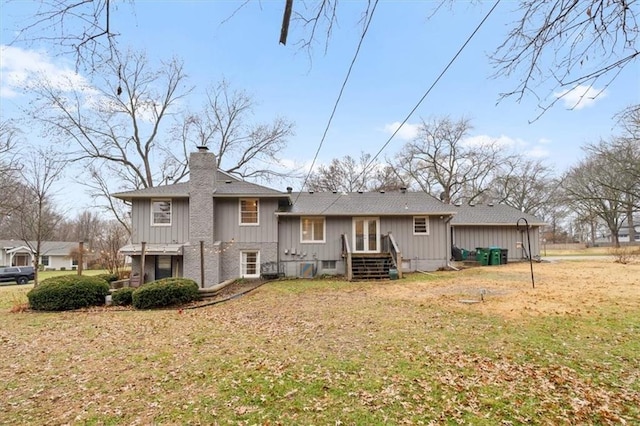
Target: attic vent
x,y
382,191
403,189
310,192
289,189
360,192
334,191
490,204
227,181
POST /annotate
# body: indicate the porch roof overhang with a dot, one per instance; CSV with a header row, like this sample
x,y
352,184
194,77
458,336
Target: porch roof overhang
x,y
152,249
19,249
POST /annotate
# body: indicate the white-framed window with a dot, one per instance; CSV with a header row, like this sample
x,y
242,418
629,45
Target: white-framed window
x,y
249,211
161,212
249,264
44,260
421,225
312,230
74,261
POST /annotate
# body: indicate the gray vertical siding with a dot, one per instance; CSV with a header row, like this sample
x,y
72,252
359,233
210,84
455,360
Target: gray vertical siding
x,y
178,232
426,252
431,247
227,226
470,237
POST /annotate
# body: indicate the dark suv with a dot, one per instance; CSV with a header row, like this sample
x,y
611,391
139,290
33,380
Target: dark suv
x,y
19,274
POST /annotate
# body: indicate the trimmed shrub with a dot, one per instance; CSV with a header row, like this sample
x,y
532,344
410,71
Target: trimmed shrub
x,y
108,277
165,292
68,292
123,296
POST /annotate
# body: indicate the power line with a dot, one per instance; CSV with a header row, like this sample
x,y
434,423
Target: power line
x,y
446,68
335,106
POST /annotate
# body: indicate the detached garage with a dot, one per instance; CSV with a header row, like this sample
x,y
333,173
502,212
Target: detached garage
x,y
488,225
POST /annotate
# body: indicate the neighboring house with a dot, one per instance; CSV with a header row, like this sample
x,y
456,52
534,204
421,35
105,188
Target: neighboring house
x,y
488,225
216,227
623,233
53,254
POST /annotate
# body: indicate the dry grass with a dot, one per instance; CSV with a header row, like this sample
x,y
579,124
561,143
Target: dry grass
x,y
330,352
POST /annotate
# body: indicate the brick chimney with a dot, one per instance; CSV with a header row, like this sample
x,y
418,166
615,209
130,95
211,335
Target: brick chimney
x,y
202,183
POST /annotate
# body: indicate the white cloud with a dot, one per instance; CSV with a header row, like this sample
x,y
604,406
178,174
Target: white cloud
x,y
486,140
580,96
537,152
407,131
20,69
544,141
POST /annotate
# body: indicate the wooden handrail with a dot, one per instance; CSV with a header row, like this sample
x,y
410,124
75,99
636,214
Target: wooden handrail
x,y
396,255
346,253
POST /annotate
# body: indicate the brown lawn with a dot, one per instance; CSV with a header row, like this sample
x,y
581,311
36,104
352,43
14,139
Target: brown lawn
x,y
329,352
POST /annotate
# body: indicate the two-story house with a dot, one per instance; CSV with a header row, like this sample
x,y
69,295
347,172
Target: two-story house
x,y
216,227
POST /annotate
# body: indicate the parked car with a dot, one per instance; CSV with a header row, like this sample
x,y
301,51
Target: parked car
x,y
19,274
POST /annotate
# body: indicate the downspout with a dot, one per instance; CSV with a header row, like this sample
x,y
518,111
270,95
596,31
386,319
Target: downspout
x,y
448,233
278,244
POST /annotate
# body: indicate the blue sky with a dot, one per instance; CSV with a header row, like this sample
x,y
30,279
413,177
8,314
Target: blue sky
x,y
401,56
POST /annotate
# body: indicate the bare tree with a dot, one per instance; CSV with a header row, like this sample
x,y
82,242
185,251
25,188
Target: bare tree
x,y
349,174
36,219
551,45
442,163
9,168
83,28
525,184
242,147
116,128
587,195
568,43
108,247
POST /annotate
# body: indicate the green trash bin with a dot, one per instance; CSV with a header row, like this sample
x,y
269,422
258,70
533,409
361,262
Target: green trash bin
x,y
393,274
465,254
482,255
494,256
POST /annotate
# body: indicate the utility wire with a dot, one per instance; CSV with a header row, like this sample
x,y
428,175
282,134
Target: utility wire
x,y
446,68
335,106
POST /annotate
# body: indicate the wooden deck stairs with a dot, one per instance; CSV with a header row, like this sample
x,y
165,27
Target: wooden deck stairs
x,y
371,266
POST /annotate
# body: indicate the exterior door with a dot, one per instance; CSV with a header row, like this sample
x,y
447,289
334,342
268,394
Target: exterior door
x,y
366,235
164,267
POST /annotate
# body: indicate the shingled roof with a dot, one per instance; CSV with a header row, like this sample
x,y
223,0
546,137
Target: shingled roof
x,y
227,186
488,214
366,203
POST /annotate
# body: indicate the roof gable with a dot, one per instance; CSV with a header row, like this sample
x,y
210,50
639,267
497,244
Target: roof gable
x,y
226,186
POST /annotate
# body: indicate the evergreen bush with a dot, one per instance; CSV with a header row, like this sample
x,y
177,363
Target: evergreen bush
x,y
68,292
165,292
108,277
123,296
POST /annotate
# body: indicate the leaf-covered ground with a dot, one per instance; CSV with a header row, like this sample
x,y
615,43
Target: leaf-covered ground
x,y
330,352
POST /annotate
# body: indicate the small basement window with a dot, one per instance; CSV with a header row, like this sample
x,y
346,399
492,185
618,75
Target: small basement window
x,y
328,264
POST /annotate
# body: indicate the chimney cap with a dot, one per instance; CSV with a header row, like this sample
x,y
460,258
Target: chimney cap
x,y
202,148
289,189
403,189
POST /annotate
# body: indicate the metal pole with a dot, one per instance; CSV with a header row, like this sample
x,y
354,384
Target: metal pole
x,y
80,256
143,254
533,283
